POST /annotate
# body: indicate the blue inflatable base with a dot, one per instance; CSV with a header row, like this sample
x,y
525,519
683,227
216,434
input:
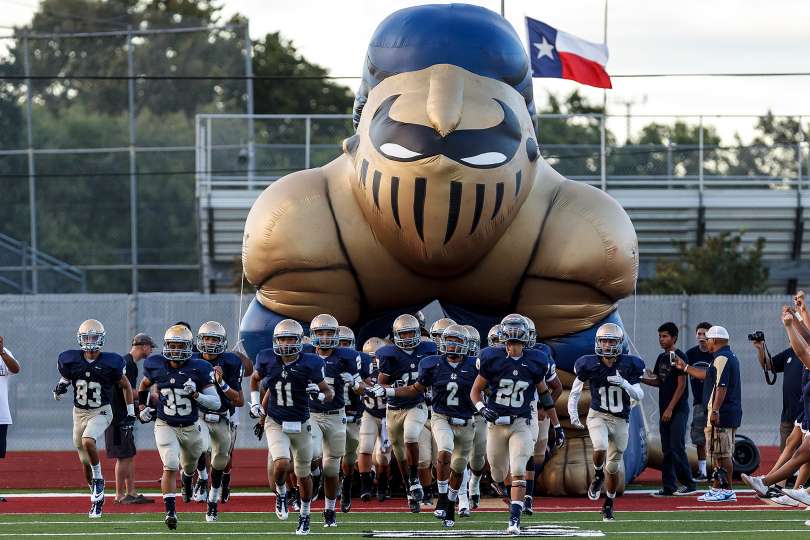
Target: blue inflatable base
x,y
256,332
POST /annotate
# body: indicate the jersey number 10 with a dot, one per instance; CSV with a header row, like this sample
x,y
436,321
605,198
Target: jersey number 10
x,y
610,399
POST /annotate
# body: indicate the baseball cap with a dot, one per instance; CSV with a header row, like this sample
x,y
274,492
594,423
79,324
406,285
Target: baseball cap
x,y
717,332
143,339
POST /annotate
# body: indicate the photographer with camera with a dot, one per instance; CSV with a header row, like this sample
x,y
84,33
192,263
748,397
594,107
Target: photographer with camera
x,y
788,363
673,406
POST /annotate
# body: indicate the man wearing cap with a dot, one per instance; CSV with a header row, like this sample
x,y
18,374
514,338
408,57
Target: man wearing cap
x,y
119,438
723,399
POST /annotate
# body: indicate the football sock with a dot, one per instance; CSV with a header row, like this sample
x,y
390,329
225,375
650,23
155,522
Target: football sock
x,y
413,474
168,502
96,471
442,484
226,480
216,478
304,508
702,466
330,503
452,494
281,490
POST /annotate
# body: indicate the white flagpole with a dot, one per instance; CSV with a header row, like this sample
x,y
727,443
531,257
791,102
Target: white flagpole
x,y
602,131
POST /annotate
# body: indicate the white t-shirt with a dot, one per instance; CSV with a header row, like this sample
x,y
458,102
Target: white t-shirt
x,y
5,413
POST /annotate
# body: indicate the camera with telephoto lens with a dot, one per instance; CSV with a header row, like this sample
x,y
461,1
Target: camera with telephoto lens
x,y
757,336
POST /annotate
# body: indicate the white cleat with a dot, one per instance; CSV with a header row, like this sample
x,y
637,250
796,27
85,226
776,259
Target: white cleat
x,y
755,483
799,495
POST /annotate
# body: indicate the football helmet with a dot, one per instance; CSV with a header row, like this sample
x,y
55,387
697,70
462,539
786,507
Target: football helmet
x,y
475,340
370,348
459,343
532,332
406,323
284,329
90,335
492,336
177,343
514,328
328,324
212,329
609,332
346,334
437,329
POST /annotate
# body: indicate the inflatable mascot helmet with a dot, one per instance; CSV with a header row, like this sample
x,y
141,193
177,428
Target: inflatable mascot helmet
x,y
444,132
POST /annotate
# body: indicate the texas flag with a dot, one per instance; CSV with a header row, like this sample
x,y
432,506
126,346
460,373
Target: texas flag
x,y
560,55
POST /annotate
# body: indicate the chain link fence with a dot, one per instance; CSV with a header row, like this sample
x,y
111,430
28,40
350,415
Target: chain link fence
x,y
37,328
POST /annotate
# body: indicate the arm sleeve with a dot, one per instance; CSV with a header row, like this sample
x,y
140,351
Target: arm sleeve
x,y
62,367
634,391
209,398
573,398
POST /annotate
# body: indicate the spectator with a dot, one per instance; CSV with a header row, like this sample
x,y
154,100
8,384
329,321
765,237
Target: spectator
x,y
9,366
722,397
699,357
673,407
119,438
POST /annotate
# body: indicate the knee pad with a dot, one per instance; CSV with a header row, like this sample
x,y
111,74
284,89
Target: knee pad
x,y
612,465
331,466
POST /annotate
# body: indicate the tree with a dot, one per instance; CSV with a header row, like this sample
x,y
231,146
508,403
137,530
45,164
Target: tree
x,y
719,266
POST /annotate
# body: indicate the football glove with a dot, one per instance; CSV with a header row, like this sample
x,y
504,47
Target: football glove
x,y
255,410
190,386
315,393
258,430
146,415
489,415
60,389
576,423
559,437
376,391
617,380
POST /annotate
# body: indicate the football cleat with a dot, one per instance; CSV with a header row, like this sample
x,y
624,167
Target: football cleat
x,y
97,490
798,495
414,505
188,488
171,520
527,505
464,512
346,495
514,526
415,491
607,510
475,500
281,508
329,518
95,509
212,514
595,489
200,491
303,525
449,515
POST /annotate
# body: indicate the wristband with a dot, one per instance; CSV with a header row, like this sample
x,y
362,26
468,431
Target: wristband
x,y
130,409
143,398
390,392
254,396
546,401
478,406
223,385
557,426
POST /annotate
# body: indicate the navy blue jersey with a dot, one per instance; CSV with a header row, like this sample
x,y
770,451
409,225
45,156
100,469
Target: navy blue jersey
x,y
374,406
92,381
724,372
354,402
341,360
513,380
287,384
402,369
231,373
175,405
450,384
606,397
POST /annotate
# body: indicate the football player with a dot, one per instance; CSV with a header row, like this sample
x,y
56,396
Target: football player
x,y
492,336
289,377
184,385
247,371
406,416
354,413
470,493
217,433
437,330
513,373
614,380
541,420
92,373
329,419
450,375
374,440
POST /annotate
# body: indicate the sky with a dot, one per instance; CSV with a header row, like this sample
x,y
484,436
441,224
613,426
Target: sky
x,y
642,37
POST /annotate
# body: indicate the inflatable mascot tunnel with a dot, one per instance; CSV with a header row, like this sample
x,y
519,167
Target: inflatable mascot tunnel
x,y
441,194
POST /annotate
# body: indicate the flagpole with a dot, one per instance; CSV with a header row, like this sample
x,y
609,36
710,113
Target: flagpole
x,y
503,8
602,134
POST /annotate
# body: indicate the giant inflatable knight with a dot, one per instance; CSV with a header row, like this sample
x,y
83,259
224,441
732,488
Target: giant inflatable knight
x,y
441,194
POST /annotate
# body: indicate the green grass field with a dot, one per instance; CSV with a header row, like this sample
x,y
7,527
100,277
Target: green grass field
x,y
730,524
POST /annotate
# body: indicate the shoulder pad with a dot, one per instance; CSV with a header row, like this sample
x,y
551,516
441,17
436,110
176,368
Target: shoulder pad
x,y
67,357
426,347
387,350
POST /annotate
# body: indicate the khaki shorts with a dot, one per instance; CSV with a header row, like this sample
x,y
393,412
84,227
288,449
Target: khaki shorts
x,y
509,448
720,442
179,447
608,433
696,432
90,424
405,426
427,447
352,442
542,439
478,452
218,438
371,439
328,435
456,440
295,446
